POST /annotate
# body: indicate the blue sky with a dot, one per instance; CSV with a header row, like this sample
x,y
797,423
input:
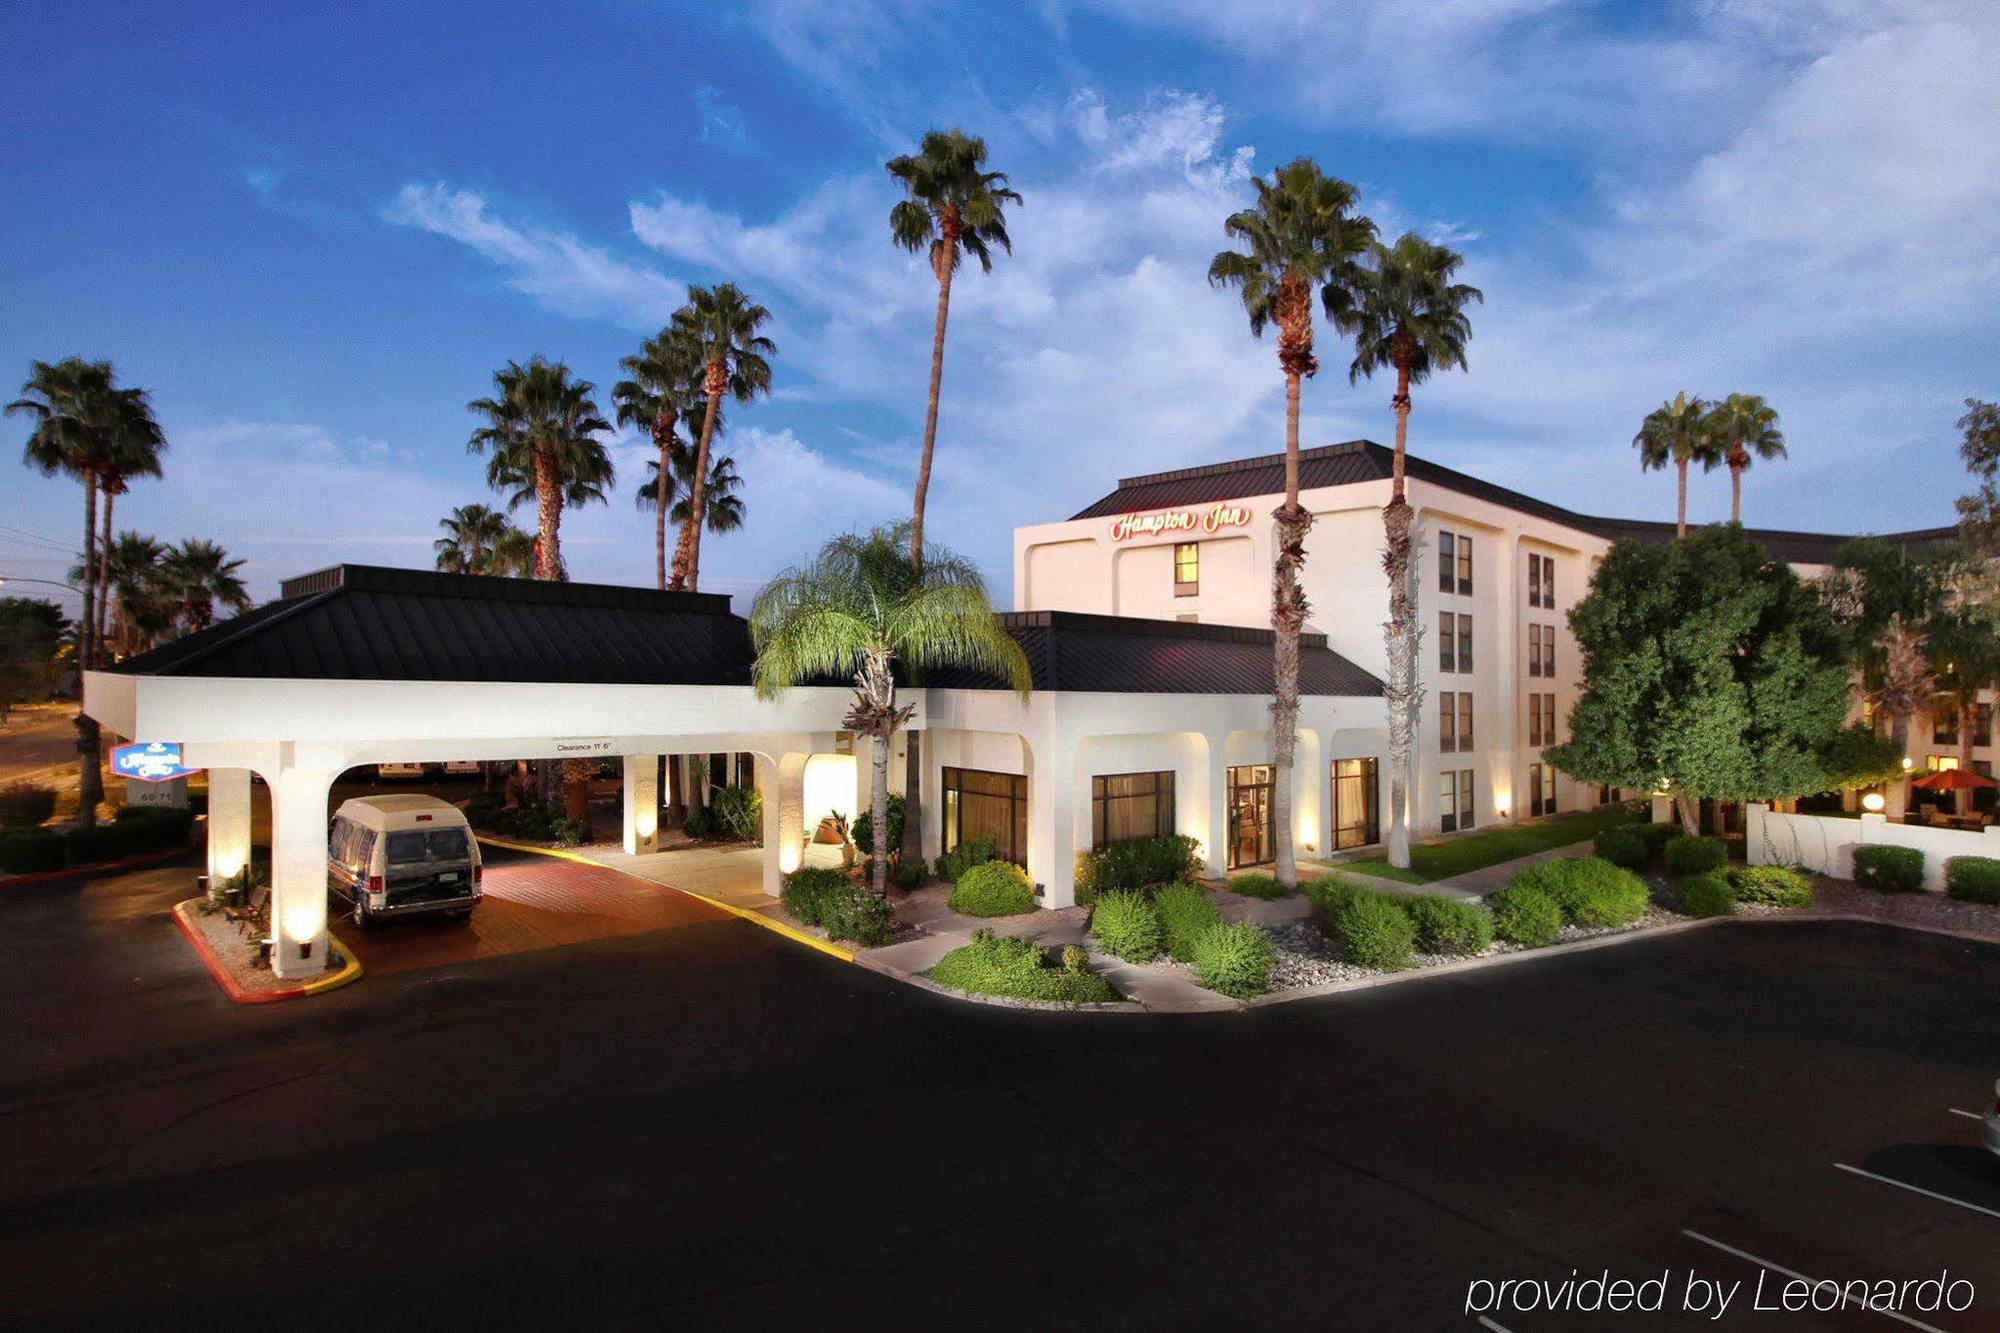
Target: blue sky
x,y
313,233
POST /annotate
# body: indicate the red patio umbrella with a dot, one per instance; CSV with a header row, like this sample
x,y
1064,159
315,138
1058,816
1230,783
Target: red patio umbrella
x,y
1952,779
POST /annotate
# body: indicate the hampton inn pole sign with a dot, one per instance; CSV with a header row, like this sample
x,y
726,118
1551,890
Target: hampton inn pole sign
x,y
1162,521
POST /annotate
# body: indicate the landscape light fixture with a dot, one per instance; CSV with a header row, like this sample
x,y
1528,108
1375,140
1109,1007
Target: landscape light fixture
x,y
1873,802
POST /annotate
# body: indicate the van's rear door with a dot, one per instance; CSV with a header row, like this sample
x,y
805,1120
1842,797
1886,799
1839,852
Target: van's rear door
x,y
427,865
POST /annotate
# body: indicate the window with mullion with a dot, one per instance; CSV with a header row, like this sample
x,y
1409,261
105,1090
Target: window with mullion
x,y
1130,807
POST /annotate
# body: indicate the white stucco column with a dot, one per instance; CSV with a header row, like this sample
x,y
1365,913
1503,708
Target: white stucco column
x,y
1216,786
298,870
228,822
1052,823
783,783
642,803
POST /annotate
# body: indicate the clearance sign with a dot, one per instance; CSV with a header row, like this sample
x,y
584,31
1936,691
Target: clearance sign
x,y
1162,521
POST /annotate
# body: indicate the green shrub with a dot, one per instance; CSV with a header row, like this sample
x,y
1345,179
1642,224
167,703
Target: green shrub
x,y
1889,869
1589,891
1261,886
1127,926
1331,892
1623,845
1185,911
853,912
972,852
738,810
862,834
1658,835
485,809
699,824
1373,930
1020,969
155,827
1695,856
567,832
993,888
1706,895
1233,960
31,851
804,891
26,804
1526,915
1770,886
909,876
1973,879
1136,865
106,842
1449,925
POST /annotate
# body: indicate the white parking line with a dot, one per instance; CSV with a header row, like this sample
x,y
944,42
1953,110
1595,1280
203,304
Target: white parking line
x,y
1497,1328
1969,1115
1778,1268
1916,1189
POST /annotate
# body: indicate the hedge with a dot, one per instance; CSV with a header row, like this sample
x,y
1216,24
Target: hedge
x,y
970,853
804,891
1526,915
1135,865
105,842
1449,925
1233,960
1588,890
1020,969
1973,879
1623,845
1695,856
1260,886
1127,925
1889,869
1185,911
155,827
855,913
993,888
1330,893
1706,894
1373,930
31,851
1658,835
26,804
1770,886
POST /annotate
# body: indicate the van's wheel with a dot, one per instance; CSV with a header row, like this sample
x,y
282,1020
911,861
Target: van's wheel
x,y
462,915
362,920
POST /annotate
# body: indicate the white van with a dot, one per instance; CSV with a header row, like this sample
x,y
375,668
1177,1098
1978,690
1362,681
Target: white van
x,y
392,856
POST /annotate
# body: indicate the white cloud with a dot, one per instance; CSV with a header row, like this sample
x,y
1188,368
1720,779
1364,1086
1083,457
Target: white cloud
x,y
554,267
721,119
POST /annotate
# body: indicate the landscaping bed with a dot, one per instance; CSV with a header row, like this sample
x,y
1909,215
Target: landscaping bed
x,y
236,961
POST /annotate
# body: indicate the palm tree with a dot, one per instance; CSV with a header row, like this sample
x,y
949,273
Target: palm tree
x,y
1679,431
139,612
664,392
1300,234
1744,425
473,537
514,554
859,608
1406,312
542,429
88,428
724,499
142,443
722,324
198,574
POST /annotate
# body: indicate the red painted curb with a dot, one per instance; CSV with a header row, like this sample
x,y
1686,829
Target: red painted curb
x,y
129,863
221,973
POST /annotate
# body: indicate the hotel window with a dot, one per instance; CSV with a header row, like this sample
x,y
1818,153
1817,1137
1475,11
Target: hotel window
x,y
1454,642
1356,821
1542,580
1541,789
1548,727
1982,725
1454,562
1465,643
993,806
1549,651
1187,569
1465,721
1534,650
1939,763
1128,807
1188,618
1455,800
1944,724
1454,722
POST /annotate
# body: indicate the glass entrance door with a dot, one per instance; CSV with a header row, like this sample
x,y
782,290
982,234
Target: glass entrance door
x,y
1355,787
1250,788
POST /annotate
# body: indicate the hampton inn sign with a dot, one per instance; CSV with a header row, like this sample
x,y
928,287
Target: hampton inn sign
x,y
1161,521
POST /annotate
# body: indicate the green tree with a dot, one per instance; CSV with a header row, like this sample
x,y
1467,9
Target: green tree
x,y
1884,599
474,536
540,435
1407,311
88,428
722,326
33,636
197,574
1711,670
1678,432
1963,644
141,607
1744,427
1979,513
1301,234
662,397
858,609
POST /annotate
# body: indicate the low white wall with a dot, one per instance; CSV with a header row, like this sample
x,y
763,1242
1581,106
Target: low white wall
x,y
1826,844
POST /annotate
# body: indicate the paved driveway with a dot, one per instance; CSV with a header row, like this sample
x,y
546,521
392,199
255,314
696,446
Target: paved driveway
x,y
710,1125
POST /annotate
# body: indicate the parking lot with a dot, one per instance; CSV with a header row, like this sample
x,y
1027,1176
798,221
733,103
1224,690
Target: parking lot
x,y
721,1126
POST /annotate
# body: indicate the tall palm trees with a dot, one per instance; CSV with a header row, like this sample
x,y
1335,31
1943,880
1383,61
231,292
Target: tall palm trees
x,y
1678,432
1406,311
541,430
198,574
722,325
1744,426
857,609
722,496
1301,234
664,391
88,428
475,540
